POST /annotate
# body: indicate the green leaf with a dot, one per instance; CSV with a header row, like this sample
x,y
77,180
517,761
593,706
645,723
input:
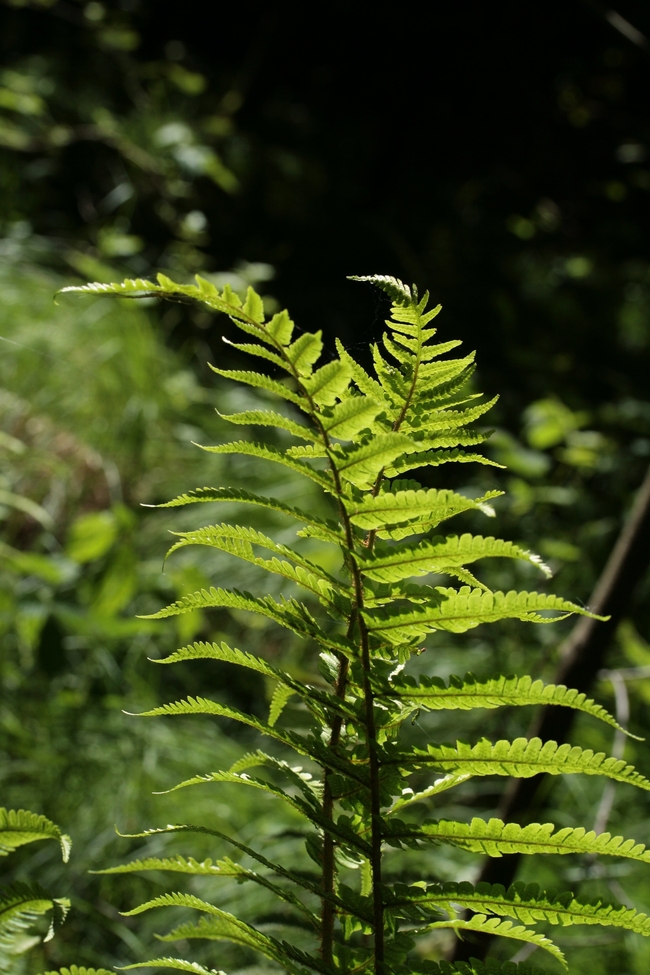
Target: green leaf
x,y
495,838
416,510
82,970
520,758
208,495
280,328
305,351
224,927
458,611
289,613
264,452
434,458
361,465
240,541
19,826
493,692
301,881
23,903
267,418
201,705
328,383
439,554
503,929
528,904
254,306
281,695
349,417
178,964
259,381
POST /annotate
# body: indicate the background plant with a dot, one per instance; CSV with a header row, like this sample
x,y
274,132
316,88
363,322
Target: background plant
x,y
404,420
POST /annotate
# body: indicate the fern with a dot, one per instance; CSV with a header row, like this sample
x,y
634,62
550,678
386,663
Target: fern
x,y
21,904
358,435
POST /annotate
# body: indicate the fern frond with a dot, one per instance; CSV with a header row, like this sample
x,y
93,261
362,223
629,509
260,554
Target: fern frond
x,y
247,448
470,692
178,964
304,352
243,778
23,903
520,758
300,880
329,529
239,542
420,509
361,465
458,611
494,838
82,970
350,417
399,292
20,826
259,381
289,613
528,904
268,418
281,696
503,929
201,705
328,383
222,926
438,554
434,458
365,383
221,868
223,653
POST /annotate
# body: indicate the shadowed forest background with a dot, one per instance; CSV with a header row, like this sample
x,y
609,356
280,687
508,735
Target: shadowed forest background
x,y
498,155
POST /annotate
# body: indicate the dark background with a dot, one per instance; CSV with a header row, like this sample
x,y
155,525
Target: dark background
x,y
474,148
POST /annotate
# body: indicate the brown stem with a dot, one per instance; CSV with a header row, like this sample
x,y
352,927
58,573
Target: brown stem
x,y
375,807
582,656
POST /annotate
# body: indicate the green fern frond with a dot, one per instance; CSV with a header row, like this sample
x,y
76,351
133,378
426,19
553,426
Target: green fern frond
x,y
259,381
268,418
434,458
438,554
222,926
399,292
246,448
528,904
19,826
23,903
420,509
82,970
503,929
243,778
494,838
458,611
281,696
301,880
201,705
470,692
362,430
350,417
240,541
522,758
178,964
209,495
